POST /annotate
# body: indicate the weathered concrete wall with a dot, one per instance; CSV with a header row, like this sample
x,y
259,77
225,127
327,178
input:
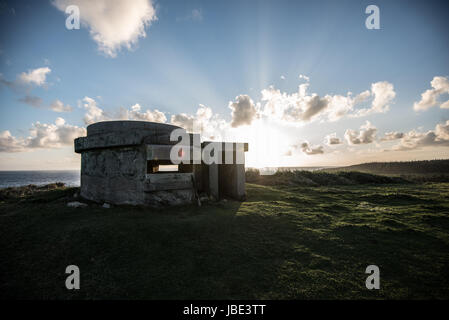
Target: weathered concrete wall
x,y
170,198
110,134
129,126
118,176
232,181
114,175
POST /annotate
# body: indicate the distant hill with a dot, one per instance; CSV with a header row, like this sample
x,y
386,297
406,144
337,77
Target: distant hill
x,y
422,167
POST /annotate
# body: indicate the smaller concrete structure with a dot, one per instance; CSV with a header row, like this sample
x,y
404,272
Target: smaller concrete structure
x,y
128,162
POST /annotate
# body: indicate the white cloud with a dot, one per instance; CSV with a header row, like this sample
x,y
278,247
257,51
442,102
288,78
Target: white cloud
x,y
332,139
307,149
339,106
442,131
429,98
24,82
390,136
58,106
295,107
183,120
383,93
415,139
9,143
303,107
94,113
362,97
306,108
113,24
61,134
306,78
210,125
42,136
37,76
367,134
243,111
193,122
53,135
135,114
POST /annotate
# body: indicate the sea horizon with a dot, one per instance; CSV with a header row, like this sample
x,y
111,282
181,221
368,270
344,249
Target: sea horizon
x,y
18,178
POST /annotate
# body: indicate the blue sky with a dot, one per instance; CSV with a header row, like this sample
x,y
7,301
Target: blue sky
x,y
210,52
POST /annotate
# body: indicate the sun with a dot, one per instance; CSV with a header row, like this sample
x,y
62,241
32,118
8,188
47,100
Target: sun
x,y
267,144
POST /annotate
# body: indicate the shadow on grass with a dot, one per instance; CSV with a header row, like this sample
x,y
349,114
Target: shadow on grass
x,y
277,245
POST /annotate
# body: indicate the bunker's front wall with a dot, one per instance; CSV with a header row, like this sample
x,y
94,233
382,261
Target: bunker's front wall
x,y
114,175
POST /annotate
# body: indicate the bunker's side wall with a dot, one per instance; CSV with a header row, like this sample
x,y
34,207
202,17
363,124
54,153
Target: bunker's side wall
x,y
114,175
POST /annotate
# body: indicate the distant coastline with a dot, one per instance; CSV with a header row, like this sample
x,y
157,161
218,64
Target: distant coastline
x,y
39,177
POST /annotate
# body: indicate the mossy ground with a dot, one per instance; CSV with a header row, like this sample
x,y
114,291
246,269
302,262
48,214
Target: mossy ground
x,y
284,242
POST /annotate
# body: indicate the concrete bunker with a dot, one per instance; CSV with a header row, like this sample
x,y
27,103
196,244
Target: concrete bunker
x,y
128,162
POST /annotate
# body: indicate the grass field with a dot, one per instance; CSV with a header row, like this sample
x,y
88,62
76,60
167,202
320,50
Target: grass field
x,y
284,242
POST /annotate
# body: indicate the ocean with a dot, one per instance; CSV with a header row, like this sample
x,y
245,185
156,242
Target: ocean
x,y
23,178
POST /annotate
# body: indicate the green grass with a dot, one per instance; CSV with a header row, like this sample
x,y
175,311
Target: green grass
x,y
284,242
321,178
416,171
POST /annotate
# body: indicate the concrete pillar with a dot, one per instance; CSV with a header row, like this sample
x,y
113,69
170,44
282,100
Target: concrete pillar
x,y
232,181
239,183
213,181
